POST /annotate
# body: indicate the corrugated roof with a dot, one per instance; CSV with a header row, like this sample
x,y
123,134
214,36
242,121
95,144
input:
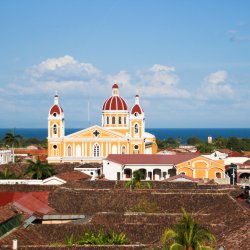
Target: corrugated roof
x,y
147,159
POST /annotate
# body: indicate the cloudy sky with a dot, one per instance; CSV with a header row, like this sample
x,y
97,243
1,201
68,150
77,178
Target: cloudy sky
x,y
188,60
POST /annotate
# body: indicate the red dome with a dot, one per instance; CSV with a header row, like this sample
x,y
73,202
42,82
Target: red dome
x,y
56,109
136,109
115,103
115,86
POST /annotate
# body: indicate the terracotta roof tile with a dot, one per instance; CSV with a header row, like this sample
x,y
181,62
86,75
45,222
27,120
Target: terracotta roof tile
x,y
147,159
73,176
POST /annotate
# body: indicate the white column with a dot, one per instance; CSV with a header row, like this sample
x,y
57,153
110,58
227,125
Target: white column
x,y
102,150
83,149
119,148
74,149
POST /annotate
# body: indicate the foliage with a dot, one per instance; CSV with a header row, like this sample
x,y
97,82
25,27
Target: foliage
x,y
194,141
6,174
99,238
169,142
69,240
11,140
205,148
39,170
188,235
145,206
136,182
10,224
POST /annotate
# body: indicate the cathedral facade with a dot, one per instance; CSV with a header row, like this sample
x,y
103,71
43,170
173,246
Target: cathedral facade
x,y
122,132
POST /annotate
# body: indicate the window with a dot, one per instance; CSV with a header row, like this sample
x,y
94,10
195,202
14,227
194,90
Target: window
x,y
218,175
54,146
136,129
107,120
136,146
96,150
118,176
125,121
188,163
120,120
182,173
123,150
54,114
136,114
113,120
54,129
69,151
164,175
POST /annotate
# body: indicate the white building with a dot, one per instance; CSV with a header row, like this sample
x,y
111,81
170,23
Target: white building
x,y
154,167
5,156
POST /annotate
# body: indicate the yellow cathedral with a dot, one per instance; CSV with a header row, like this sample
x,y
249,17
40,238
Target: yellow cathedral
x,y
122,132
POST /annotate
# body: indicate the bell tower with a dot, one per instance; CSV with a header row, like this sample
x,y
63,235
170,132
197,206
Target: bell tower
x,y
56,129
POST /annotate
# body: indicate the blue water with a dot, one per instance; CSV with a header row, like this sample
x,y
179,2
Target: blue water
x,y
160,133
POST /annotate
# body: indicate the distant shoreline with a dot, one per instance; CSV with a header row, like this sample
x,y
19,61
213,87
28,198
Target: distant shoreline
x,y
160,133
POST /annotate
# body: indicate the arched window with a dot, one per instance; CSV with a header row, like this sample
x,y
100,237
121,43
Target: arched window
x,y
96,150
182,173
54,129
218,175
120,120
136,129
113,120
69,151
123,150
107,120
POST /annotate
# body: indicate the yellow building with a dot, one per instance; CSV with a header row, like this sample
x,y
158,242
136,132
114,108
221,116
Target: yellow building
x,y
122,132
202,167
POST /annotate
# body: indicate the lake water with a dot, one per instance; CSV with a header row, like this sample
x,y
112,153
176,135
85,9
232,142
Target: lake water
x,y
160,133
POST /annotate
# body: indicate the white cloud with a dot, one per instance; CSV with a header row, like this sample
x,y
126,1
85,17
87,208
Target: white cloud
x,y
158,68
160,80
215,85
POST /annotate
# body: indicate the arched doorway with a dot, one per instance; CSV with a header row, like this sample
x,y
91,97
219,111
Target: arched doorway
x,y
157,174
143,173
127,173
78,150
245,176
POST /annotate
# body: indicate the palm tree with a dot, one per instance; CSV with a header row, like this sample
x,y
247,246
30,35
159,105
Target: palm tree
x,y
7,175
188,235
11,140
39,170
136,182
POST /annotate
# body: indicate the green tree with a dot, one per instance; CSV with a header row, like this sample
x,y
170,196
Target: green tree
x,y
205,147
6,174
11,140
188,235
39,170
194,141
234,143
136,181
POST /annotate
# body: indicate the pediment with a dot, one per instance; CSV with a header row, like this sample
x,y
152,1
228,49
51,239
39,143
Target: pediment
x,y
95,132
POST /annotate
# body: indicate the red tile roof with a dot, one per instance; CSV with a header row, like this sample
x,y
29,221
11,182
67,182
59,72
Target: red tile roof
x,y
29,202
32,151
147,159
188,178
73,176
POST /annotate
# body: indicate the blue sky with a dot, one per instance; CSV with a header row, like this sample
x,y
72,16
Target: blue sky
x,y
188,60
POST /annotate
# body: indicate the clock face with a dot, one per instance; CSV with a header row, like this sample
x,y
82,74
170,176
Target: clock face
x,y
136,147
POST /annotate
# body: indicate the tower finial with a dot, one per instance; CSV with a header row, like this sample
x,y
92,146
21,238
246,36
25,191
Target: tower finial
x,y
56,93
